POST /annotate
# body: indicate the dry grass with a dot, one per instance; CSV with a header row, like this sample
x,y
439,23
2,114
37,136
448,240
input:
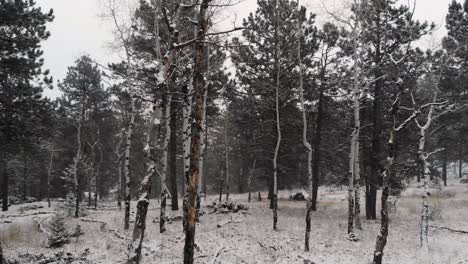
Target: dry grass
x,y
21,234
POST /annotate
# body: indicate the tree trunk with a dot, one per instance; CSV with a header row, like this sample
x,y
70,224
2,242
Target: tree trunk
x,y
96,178
221,185
226,153
351,211
119,164
317,140
311,202
134,248
49,172
382,237
278,140
5,186
191,190
460,160
173,157
25,176
164,189
249,179
444,166
128,143
77,160
355,176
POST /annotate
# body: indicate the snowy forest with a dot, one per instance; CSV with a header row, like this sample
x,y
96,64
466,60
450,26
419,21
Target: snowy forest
x,y
291,136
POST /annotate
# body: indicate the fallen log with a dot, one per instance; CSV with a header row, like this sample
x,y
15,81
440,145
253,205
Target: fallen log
x,y
22,215
223,223
449,229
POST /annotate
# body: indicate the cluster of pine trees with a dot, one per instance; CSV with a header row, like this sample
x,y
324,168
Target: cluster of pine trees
x,y
351,102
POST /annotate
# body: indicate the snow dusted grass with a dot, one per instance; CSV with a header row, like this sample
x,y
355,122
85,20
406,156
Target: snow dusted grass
x,y
250,238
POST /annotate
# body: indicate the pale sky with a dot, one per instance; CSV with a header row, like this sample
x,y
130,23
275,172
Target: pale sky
x,y
78,28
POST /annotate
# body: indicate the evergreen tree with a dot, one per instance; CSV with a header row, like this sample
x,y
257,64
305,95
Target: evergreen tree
x,y
58,235
23,28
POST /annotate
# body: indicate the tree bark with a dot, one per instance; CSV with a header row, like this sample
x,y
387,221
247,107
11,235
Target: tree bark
x,y
226,153
460,160
164,189
49,172
249,179
191,190
221,185
311,202
278,140
173,158
5,184
77,160
444,166
128,143
135,246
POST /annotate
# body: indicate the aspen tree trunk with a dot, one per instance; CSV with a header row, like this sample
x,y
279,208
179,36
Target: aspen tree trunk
x,y
226,153
164,189
128,143
191,190
77,160
203,140
351,234
119,162
355,177
423,159
49,172
305,142
173,158
278,142
135,246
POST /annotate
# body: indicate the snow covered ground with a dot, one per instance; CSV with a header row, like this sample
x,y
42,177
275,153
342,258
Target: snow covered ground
x,y
249,238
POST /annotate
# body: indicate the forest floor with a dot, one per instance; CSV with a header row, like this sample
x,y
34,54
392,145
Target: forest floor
x,y
249,238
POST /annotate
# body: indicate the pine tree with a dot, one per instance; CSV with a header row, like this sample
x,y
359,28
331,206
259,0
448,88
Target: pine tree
x,y
23,28
58,235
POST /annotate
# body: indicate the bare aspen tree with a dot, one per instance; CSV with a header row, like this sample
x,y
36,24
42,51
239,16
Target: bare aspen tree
x,y
128,143
125,37
423,157
278,126
305,142
354,173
